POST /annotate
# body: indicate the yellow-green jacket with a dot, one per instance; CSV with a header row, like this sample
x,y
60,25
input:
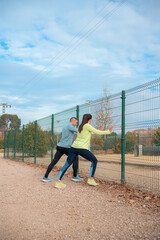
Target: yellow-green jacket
x,y
83,138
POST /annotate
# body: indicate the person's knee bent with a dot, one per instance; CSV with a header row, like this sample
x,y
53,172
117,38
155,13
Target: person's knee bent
x,y
94,160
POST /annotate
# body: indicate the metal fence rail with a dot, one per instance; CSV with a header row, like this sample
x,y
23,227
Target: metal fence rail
x,y
143,119
130,154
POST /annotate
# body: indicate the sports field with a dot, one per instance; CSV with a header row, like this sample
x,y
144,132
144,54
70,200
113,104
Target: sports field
x,y
31,209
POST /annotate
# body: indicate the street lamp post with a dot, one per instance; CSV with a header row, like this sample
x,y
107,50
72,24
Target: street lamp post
x,y
4,105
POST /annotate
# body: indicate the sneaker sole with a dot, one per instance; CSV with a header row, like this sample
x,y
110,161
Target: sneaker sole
x,y
76,180
59,187
93,184
47,180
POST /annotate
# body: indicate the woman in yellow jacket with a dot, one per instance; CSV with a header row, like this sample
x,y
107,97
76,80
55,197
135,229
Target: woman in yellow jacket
x,y
81,147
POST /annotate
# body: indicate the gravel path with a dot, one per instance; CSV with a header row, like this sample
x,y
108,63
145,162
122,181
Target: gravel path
x,y
33,210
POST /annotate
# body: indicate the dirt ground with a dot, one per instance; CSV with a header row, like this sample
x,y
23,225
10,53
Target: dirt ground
x,y
33,210
141,172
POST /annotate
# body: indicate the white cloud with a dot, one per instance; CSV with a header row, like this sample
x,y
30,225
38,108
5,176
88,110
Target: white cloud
x,y
65,97
37,113
123,52
128,34
13,99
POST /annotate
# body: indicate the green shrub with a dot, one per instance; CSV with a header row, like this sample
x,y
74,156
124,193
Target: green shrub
x,y
43,143
96,147
1,143
156,137
130,141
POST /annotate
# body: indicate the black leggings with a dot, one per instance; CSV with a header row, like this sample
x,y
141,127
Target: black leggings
x,y
74,152
59,153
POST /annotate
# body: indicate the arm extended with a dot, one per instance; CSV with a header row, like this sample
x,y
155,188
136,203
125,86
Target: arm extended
x,y
72,129
96,131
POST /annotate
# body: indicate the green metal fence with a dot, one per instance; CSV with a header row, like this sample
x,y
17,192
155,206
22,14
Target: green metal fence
x,y
130,154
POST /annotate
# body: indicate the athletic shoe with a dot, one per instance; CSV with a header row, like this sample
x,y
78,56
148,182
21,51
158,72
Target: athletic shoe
x,y
76,179
92,182
60,185
47,179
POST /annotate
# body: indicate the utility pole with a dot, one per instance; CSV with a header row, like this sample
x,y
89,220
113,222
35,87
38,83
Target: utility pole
x,y
4,106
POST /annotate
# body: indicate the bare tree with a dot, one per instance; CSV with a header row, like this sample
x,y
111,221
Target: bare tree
x,y
103,111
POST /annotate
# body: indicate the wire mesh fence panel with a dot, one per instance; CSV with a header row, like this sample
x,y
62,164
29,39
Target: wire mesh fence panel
x,y
44,141
11,137
142,137
6,145
105,111
36,142
18,151
27,142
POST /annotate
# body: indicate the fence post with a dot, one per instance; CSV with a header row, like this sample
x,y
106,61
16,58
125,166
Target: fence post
x,y
35,143
23,144
15,136
105,143
123,139
4,144
138,144
8,144
115,141
77,115
138,139
52,136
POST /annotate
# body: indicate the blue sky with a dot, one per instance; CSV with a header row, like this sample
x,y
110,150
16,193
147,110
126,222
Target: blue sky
x,y
43,72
